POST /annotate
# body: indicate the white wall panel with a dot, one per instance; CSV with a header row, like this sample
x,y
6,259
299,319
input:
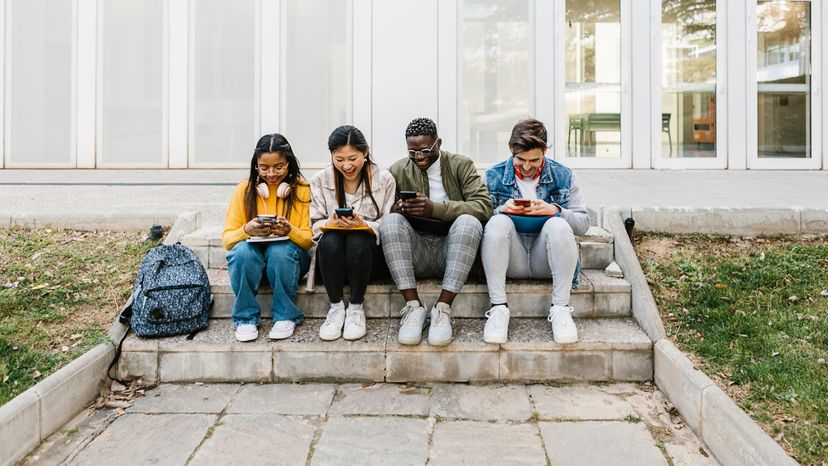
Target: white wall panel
x,y
405,70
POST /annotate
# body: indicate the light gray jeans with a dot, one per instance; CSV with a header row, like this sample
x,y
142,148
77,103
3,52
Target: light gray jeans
x,y
552,253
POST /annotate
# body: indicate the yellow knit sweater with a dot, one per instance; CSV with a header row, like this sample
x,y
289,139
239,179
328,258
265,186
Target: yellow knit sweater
x,y
299,215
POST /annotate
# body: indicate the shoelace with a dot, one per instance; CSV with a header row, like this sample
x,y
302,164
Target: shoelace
x,y
353,319
554,315
407,312
498,319
442,317
329,320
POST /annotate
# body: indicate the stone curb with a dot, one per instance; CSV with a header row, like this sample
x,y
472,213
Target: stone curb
x,y
114,222
40,411
644,307
732,436
723,220
37,413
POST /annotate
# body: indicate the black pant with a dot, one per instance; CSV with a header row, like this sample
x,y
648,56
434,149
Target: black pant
x,y
349,255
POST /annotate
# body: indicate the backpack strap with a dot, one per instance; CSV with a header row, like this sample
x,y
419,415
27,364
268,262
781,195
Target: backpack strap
x,y
123,318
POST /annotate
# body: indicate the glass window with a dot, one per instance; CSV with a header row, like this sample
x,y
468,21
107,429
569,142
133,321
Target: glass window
x,y
40,70
318,75
593,78
496,74
224,83
688,78
784,78
132,106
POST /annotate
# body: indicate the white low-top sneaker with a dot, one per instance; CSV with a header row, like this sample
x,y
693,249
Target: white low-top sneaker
x,y
332,328
439,331
354,324
282,329
563,327
246,332
497,327
411,324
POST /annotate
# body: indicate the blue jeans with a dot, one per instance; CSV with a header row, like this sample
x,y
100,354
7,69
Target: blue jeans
x,y
283,263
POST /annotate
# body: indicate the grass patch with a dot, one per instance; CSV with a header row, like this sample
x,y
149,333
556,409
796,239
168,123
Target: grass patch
x,y
59,292
750,313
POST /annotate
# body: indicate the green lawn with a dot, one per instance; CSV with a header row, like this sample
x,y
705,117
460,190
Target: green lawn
x,y
751,314
59,293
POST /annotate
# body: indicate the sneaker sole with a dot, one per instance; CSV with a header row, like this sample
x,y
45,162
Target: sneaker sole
x,y
280,336
409,341
436,342
496,341
247,337
565,340
330,337
354,337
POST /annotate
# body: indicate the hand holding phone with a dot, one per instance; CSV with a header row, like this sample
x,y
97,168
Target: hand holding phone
x,y
522,202
407,195
344,212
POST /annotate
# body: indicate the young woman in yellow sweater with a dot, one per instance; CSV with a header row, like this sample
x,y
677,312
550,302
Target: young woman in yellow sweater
x,y
267,232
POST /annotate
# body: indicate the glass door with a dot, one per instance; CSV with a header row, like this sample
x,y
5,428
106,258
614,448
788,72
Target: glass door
x,y
688,113
594,83
785,118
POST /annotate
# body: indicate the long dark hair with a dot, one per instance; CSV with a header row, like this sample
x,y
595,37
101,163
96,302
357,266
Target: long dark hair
x,y
268,144
349,135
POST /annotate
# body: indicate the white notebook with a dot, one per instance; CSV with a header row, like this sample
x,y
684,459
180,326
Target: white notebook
x,y
266,239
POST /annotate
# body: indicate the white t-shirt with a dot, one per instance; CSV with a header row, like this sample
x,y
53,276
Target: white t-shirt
x,y
436,191
528,187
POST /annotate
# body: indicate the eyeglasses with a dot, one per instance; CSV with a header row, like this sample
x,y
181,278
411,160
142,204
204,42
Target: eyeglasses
x,y
422,153
274,169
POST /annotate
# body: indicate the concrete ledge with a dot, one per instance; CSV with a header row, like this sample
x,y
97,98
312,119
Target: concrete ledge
x,y
733,436
43,409
814,220
114,222
644,307
19,427
75,386
683,384
732,221
5,220
186,223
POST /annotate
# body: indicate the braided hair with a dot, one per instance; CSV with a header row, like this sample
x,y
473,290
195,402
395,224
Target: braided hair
x,y
421,127
270,143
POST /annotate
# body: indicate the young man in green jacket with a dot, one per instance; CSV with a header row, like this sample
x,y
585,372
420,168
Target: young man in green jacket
x,y
434,234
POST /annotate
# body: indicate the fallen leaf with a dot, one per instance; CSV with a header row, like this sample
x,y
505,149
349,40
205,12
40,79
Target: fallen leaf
x,y
703,453
5,378
720,286
779,436
41,286
36,374
793,299
774,354
75,336
36,255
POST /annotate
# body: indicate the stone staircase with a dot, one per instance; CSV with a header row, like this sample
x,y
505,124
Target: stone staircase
x,y
612,347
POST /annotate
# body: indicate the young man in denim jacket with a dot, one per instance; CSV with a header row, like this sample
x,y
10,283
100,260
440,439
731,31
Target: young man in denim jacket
x,y
551,190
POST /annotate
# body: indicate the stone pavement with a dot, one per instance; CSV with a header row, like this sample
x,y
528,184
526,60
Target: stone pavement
x,y
439,424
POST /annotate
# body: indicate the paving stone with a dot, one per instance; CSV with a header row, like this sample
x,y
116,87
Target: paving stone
x,y
381,399
583,402
299,399
147,439
372,441
486,402
468,442
58,447
190,398
590,443
257,439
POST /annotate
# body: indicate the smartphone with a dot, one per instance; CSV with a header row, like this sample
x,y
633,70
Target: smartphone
x,y
344,212
267,219
523,202
405,195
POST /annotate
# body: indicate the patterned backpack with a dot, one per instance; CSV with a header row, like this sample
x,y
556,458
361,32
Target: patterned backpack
x,y
171,295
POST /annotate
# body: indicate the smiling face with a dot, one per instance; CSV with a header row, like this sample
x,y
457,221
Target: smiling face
x,y
348,161
272,167
423,150
529,162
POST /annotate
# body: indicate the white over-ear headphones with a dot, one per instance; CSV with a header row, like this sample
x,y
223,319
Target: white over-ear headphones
x,y
282,192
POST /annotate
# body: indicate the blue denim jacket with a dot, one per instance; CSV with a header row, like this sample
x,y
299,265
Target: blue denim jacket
x,y
553,188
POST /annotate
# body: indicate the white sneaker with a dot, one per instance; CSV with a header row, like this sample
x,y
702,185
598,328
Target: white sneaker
x,y
563,327
246,332
281,329
411,325
439,332
354,324
497,327
332,328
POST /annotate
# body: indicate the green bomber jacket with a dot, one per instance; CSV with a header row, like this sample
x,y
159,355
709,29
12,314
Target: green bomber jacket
x,y
465,189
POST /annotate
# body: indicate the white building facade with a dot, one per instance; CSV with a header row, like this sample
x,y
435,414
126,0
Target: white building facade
x,y
714,84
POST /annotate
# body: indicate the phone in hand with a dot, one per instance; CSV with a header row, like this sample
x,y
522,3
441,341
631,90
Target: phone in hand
x,y
344,212
267,219
522,202
406,195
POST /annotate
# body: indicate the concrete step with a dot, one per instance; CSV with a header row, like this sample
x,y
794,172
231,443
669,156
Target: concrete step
x,y
608,350
597,296
595,247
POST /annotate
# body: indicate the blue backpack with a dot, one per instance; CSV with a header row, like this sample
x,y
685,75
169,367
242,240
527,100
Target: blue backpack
x,y
171,295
